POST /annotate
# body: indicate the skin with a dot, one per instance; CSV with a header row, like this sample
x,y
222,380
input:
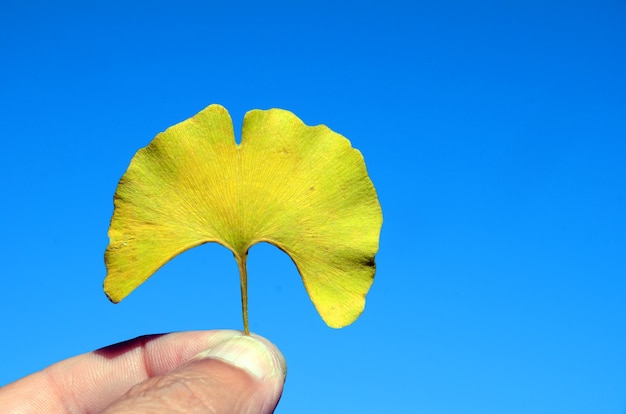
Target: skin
x,y
186,372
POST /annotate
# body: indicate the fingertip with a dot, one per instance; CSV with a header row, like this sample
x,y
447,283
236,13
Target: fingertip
x,y
237,373
252,353
261,360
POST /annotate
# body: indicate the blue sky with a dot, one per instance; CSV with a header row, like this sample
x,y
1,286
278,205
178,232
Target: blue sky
x,y
495,133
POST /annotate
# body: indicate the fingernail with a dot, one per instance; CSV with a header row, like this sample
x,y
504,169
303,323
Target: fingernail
x,y
254,354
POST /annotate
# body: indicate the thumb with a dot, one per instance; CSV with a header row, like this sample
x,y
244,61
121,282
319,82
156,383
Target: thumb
x,y
241,374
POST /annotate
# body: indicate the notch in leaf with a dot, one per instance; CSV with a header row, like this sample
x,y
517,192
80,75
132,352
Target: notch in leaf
x,y
303,189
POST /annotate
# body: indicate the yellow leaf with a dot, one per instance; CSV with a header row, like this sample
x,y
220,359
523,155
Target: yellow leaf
x,y
303,189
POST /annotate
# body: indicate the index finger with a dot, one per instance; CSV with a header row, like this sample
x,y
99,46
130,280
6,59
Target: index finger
x,y
91,381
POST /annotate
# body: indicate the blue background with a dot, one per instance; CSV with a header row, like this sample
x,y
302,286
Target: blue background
x,y
495,133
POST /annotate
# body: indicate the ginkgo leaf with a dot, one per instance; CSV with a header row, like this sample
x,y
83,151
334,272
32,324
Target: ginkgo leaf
x,y
301,188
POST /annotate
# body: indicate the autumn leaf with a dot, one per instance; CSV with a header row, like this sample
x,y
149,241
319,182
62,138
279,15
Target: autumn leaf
x,y
302,188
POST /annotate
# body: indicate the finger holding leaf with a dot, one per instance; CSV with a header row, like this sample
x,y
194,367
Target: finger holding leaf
x,y
301,188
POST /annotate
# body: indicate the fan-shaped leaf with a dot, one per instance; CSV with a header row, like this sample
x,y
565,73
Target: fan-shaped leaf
x,y
303,189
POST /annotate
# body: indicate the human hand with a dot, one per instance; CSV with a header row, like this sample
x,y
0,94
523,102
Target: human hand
x,y
186,372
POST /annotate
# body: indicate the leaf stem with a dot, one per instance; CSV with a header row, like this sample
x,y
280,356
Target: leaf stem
x,y
243,278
